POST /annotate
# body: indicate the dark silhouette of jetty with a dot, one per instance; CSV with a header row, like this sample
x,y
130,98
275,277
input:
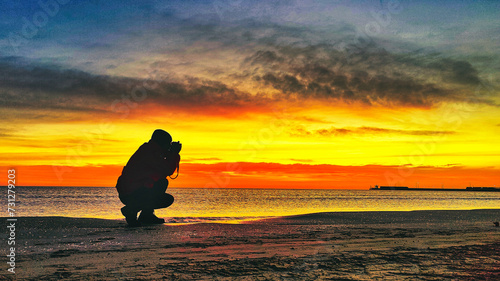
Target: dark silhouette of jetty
x,y
485,188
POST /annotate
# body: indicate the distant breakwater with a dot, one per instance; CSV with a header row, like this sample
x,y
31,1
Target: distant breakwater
x,y
484,188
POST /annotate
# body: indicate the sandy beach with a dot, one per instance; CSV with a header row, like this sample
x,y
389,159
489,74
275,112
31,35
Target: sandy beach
x,y
417,245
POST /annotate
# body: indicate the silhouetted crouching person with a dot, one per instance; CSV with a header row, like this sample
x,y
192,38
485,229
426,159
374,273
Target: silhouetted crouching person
x,y
142,184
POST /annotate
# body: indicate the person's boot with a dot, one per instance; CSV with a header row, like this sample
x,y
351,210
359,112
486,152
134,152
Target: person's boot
x,y
148,217
130,216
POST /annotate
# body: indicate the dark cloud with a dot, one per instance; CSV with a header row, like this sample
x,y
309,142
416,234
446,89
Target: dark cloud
x,y
264,57
450,70
365,130
458,71
378,90
284,83
319,72
36,86
327,63
373,77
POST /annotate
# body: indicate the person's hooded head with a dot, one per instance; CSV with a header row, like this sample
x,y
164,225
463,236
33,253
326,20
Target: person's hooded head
x,y
162,138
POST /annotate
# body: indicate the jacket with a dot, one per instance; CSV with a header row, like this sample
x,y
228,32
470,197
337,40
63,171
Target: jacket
x,y
146,166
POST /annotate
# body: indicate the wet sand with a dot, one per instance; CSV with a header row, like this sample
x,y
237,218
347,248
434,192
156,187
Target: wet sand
x,y
418,245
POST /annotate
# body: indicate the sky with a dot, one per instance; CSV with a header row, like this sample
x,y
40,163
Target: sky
x,y
262,94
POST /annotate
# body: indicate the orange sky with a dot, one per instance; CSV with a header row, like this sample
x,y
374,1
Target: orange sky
x,y
267,175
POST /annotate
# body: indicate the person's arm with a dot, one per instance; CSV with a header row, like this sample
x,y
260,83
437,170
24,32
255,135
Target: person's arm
x,y
172,161
162,165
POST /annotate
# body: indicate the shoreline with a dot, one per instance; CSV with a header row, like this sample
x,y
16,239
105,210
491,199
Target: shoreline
x,y
211,219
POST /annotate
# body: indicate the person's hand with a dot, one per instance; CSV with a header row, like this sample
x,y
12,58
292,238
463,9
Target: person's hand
x,y
176,147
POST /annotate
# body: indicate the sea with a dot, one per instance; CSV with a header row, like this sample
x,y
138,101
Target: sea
x,y
235,205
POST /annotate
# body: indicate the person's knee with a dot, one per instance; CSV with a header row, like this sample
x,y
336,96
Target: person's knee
x,y
164,201
170,198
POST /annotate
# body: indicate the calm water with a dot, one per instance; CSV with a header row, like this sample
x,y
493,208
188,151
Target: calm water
x,y
237,204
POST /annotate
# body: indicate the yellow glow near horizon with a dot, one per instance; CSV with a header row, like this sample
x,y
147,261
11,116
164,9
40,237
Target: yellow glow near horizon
x,y
272,137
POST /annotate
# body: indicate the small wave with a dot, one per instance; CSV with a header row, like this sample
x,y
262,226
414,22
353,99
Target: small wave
x,y
193,220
